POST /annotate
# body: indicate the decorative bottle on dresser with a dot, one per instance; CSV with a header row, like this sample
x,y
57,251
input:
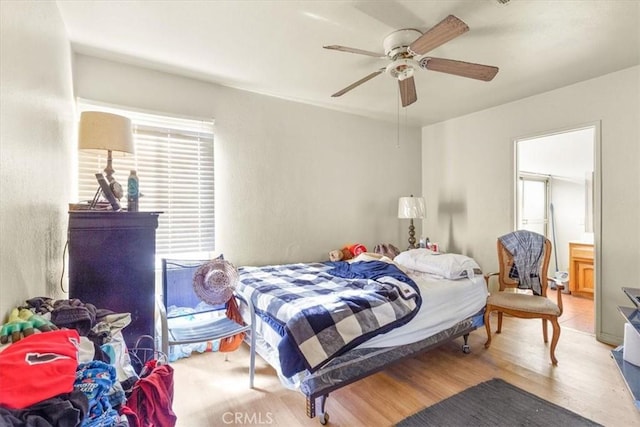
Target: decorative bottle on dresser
x,y
133,192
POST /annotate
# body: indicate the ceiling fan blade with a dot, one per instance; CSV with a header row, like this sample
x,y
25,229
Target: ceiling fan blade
x,y
358,83
447,29
354,50
408,91
460,68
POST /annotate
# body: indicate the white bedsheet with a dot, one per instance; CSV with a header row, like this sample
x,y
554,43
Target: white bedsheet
x,y
444,303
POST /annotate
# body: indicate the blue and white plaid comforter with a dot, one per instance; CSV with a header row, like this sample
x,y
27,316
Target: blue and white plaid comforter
x,y
321,315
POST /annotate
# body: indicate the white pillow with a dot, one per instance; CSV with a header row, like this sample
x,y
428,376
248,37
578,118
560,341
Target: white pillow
x,y
449,266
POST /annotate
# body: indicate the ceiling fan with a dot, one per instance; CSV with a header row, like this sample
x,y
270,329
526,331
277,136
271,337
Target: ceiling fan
x,y
407,49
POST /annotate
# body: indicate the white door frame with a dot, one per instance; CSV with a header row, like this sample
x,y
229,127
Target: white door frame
x,y
597,204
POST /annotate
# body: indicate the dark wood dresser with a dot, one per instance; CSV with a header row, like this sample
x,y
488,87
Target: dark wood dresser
x,y
112,265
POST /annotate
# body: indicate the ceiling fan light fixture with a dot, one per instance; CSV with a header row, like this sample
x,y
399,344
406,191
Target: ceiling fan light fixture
x,y
401,68
405,75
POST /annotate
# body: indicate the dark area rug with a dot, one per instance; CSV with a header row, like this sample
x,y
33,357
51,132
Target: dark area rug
x,y
495,403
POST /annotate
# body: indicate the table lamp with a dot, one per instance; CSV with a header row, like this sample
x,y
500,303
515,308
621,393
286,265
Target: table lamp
x,y
101,131
410,208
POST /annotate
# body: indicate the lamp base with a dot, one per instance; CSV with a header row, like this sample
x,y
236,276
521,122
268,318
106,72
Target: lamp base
x,y
412,235
108,170
116,188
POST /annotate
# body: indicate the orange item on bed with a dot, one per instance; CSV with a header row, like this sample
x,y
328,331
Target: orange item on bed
x,y
356,249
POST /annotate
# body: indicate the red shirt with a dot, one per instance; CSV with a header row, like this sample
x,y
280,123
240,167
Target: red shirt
x,y
38,367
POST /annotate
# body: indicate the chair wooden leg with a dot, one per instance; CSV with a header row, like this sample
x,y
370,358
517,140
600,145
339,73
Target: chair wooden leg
x,y
554,340
544,331
499,323
487,325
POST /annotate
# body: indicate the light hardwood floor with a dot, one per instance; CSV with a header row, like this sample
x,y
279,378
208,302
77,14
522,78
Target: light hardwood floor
x,y
578,312
210,391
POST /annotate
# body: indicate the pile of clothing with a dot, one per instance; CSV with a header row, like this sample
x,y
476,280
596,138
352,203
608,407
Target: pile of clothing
x,y
65,363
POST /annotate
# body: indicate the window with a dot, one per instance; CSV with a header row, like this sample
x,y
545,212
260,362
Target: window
x,y
174,163
533,203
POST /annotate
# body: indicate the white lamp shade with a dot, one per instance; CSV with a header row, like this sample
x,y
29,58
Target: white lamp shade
x,y
411,207
105,131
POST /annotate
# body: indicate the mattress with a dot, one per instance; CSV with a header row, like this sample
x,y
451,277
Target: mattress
x,y
445,303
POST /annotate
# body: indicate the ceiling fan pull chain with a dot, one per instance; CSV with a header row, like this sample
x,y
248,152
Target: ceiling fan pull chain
x,y
398,118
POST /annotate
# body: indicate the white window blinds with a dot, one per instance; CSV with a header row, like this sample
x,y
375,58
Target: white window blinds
x,y
174,163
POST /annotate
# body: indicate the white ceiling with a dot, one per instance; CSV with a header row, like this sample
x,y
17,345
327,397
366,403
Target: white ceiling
x,y
567,154
275,47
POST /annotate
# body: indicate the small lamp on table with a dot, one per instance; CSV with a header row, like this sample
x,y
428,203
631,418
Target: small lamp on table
x,y
100,131
411,208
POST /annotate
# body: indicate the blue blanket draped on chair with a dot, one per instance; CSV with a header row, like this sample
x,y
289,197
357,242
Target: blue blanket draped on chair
x,y
526,247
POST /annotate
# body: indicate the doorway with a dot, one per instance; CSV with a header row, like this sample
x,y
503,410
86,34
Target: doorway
x,y
555,197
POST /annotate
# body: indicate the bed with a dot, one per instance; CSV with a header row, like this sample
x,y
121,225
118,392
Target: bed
x,y
421,308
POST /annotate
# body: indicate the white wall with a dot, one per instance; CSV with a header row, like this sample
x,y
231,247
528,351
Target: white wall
x,y
36,140
568,198
292,181
567,154
468,177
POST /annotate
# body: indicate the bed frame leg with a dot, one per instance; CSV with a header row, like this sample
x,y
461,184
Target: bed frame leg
x,y
318,402
311,407
465,347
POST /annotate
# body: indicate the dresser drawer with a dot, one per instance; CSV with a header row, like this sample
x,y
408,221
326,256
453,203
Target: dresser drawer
x,y
581,277
581,251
